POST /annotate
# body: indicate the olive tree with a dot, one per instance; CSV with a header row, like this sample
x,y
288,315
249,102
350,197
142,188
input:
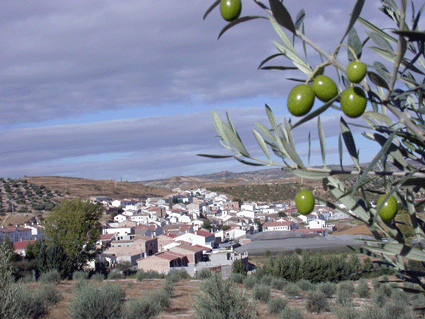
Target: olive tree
x,y
393,90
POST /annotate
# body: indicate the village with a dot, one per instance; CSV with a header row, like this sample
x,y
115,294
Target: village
x,y
194,229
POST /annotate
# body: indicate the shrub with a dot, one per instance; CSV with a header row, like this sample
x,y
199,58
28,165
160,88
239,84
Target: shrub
x,y
345,291
278,283
376,283
316,301
261,292
372,311
328,288
115,275
168,287
51,276
398,310
220,299
250,281
236,278
177,275
206,273
386,289
305,285
379,297
291,290
31,304
150,274
345,312
363,289
79,275
238,267
276,305
49,294
142,308
290,313
96,302
266,280
97,277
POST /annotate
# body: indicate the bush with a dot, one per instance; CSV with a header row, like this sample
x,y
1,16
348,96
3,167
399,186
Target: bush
x,y
79,275
206,273
305,285
398,310
220,299
177,275
250,281
31,304
96,302
345,312
261,292
372,311
266,280
316,301
328,288
278,283
116,275
290,313
291,290
345,291
49,294
150,274
51,276
97,277
238,267
363,289
376,284
236,278
379,297
276,305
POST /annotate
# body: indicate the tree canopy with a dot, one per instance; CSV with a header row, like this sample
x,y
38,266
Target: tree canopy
x,y
74,226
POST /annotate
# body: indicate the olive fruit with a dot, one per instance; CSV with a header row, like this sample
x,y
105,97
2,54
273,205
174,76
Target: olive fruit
x,y
356,71
324,88
353,102
389,209
300,99
230,9
304,202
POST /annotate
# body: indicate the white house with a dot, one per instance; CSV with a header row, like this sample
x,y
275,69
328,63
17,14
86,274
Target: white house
x,y
307,218
120,218
317,224
199,237
279,226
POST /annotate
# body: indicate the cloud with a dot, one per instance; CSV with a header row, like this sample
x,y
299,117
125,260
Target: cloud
x,y
66,66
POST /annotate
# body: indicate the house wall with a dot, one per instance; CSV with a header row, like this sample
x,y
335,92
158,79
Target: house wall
x,y
154,263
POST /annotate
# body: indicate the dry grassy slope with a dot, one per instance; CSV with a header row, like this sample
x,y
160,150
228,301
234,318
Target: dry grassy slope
x,y
84,188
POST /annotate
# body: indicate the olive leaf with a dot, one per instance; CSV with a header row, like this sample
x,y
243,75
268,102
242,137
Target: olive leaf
x,y
377,80
355,43
237,21
282,15
354,15
349,142
322,140
216,3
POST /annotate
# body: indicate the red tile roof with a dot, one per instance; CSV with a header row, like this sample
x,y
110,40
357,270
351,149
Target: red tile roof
x,y
170,255
23,244
203,233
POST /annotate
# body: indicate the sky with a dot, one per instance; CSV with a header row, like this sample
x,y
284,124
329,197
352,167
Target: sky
x,y
124,90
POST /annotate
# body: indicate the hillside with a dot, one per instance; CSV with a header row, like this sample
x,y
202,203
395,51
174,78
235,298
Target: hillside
x,y
84,188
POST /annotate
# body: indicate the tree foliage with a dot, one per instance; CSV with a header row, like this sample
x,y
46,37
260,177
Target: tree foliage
x,y
393,120
73,226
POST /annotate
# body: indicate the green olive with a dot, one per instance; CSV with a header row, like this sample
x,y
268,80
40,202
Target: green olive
x,y
300,100
324,88
356,71
230,9
304,202
389,209
353,102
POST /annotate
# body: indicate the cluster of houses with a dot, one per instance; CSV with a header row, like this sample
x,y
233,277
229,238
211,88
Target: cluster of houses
x,y
194,229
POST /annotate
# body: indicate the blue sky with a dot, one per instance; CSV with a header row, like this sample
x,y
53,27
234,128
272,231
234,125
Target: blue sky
x,y
124,89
